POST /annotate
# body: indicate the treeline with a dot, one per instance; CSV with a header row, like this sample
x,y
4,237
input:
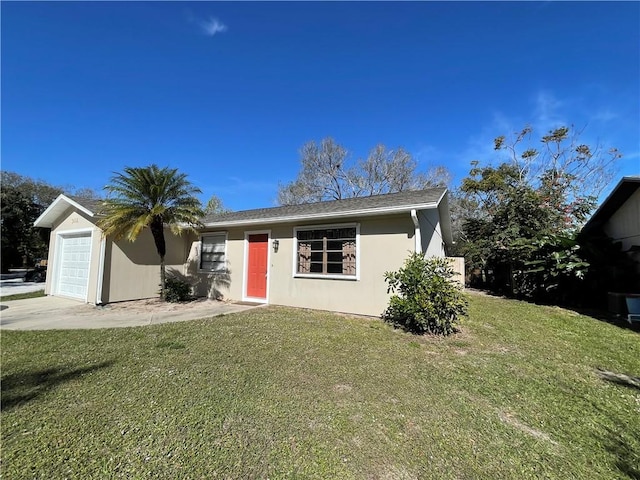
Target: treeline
x,y
23,200
515,220
518,222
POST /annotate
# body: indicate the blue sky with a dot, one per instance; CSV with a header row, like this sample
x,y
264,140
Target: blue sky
x,y
229,92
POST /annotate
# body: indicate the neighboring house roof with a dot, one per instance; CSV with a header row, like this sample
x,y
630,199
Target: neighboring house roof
x,y
61,204
349,207
620,194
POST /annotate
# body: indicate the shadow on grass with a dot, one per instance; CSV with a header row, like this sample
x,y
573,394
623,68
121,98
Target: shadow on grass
x,y
599,314
20,388
621,444
621,439
604,316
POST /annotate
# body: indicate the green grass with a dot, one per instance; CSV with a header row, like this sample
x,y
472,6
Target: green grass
x,y
22,296
284,393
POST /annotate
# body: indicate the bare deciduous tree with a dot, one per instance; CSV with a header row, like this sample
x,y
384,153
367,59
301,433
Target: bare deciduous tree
x,y
328,174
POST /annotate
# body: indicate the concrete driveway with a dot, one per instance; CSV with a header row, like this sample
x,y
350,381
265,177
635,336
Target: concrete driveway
x,y
47,313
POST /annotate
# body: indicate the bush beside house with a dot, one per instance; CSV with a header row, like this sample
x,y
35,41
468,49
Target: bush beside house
x,y
426,299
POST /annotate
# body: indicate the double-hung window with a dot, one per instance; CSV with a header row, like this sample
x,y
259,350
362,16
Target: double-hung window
x,y
213,252
330,251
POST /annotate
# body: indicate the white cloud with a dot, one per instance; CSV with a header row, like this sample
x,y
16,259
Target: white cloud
x,y
547,111
633,155
599,122
604,115
426,154
213,26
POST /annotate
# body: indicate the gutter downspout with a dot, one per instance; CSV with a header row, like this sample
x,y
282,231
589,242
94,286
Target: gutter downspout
x,y
103,247
418,235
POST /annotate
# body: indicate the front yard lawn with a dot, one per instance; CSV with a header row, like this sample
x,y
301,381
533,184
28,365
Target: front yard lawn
x,y
22,296
523,392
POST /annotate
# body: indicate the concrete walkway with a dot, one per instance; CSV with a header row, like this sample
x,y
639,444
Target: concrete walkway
x,y
46,313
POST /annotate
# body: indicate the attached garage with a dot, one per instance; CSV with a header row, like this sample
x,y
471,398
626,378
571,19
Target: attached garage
x,y
73,261
86,266
74,249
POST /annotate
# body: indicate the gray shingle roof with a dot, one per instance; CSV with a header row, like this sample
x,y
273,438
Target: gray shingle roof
x,y
91,204
361,206
401,201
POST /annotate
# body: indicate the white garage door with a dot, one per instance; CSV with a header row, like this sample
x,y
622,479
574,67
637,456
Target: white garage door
x,y
73,267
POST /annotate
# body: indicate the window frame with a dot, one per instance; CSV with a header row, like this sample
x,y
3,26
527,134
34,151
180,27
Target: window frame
x,y
224,269
331,276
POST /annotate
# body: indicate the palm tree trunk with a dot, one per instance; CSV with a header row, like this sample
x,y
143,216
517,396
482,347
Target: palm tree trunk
x,y
157,230
163,277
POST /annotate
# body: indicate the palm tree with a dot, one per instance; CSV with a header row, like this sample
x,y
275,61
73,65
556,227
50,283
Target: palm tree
x,y
154,198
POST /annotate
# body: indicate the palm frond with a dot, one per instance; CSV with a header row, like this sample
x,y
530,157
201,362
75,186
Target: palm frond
x,y
150,197
138,195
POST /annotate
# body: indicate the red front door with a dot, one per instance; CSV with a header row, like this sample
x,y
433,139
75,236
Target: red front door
x,y
257,265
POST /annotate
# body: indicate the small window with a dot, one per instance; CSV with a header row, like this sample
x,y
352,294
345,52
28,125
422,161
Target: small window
x,y
327,251
213,252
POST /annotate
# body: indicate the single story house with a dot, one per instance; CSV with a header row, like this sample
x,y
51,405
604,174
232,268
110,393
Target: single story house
x,y
327,255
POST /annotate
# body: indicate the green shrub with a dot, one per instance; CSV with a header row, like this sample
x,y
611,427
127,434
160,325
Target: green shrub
x,y
176,290
426,299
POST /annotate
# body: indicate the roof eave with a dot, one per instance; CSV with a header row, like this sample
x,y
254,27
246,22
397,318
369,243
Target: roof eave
x,y
57,208
327,216
600,217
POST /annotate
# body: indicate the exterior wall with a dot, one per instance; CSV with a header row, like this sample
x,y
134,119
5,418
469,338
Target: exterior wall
x,y
74,221
216,285
431,233
384,244
624,227
624,224
457,263
132,269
